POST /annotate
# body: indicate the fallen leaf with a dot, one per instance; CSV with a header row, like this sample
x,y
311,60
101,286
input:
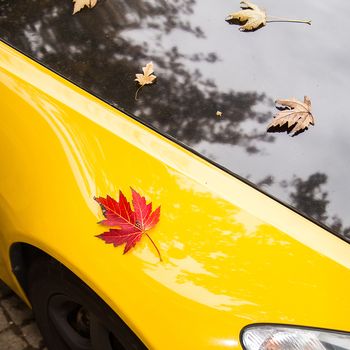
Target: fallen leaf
x,y
219,114
251,17
146,78
79,4
294,113
129,225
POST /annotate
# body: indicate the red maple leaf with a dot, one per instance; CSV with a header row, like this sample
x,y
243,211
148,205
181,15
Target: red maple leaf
x,y
129,225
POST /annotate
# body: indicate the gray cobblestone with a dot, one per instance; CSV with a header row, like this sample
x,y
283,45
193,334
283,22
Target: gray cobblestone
x,y
18,330
12,341
17,310
4,323
32,335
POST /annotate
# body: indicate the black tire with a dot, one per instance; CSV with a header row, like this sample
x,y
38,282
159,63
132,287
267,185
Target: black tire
x,y
70,315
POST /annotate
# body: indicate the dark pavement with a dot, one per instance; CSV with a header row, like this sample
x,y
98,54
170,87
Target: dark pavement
x,y
18,330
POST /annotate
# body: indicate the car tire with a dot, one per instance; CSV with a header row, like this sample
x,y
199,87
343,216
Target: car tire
x,y
70,315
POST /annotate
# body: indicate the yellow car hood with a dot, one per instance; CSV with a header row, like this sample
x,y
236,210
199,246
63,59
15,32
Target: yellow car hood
x,y
232,255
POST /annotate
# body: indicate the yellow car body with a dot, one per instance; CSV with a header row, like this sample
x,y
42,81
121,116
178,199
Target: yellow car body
x,y
232,255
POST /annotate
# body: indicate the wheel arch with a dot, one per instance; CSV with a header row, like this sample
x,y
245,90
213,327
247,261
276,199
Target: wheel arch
x,y
22,255
25,257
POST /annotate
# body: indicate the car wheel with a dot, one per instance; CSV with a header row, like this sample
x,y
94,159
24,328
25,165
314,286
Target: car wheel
x,y
70,315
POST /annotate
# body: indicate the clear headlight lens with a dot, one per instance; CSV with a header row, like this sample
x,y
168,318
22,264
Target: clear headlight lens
x,y
269,337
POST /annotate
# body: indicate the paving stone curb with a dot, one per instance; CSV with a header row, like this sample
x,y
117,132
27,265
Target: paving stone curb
x,y
18,330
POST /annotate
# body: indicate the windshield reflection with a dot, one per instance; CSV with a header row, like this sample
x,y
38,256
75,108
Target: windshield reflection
x,y
204,66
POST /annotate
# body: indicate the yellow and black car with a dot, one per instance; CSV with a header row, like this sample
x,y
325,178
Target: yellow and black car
x,y
254,228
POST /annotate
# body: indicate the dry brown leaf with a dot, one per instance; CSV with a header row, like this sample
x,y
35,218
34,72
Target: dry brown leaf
x,y
251,17
79,4
296,113
146,78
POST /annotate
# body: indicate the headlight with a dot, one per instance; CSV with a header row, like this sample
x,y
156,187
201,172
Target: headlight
x,y
270,337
